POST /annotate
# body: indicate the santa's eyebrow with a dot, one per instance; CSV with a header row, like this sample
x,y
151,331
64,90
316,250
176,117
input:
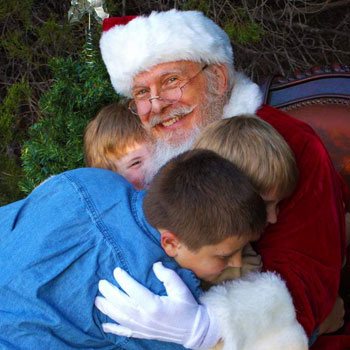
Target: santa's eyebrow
x,y
162,74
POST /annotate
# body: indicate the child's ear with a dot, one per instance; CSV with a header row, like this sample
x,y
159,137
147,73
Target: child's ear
x,y
169,242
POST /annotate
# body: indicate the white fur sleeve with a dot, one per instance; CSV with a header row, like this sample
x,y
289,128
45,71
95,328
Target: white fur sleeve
x,y
256,313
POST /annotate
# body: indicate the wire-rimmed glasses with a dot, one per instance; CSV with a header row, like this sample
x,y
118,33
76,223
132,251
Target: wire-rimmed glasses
x,y
142,105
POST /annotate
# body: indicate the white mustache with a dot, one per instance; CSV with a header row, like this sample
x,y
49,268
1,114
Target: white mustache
x,y
177,112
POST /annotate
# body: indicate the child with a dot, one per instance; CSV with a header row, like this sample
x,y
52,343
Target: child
x,y
256,148
72,230
116,140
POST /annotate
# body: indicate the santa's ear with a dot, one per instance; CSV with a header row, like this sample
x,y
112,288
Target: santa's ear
x,y
220,81
169,242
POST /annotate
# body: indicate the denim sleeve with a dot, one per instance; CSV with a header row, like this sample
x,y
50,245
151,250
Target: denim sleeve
x,y
313,337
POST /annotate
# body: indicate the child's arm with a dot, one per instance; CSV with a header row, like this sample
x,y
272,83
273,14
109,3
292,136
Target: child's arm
x,y
335,320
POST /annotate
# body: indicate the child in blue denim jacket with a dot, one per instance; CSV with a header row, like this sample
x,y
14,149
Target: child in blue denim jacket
x,y
74,229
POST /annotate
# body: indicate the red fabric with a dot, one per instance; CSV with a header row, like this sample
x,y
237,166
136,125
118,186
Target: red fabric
x,y
307,244
332,342
110,22
341,339
346,193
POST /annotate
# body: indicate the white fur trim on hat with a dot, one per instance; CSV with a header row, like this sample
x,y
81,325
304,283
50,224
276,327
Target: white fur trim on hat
x,y
246,97
161,37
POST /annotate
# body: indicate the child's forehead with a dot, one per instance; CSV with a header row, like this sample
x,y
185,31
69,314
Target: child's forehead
x,y
136,148
231,244
136,145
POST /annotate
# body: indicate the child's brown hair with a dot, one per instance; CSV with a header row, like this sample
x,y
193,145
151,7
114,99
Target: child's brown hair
x,y
257,149
109,135
204,199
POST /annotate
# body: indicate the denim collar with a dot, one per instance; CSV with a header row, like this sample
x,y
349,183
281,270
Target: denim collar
x,y
137,210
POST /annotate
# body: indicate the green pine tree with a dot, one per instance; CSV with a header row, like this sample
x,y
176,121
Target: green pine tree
x,y
11,136
55,142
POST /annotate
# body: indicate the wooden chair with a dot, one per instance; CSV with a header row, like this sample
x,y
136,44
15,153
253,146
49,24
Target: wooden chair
x,y
320,97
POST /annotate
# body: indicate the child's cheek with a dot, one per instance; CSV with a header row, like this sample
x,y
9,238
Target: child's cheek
x,y
136,177
218,266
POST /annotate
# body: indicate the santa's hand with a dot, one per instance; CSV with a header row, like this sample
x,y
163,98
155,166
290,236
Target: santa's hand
x,y
176,318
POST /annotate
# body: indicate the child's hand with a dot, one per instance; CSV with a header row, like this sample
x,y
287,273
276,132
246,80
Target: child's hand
x,y
251,261
335,319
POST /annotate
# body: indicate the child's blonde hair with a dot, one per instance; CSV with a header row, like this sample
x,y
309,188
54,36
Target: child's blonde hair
x,y
257,149
109,135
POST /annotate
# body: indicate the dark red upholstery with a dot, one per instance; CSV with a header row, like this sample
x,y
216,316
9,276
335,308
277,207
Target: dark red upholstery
x,y
320,97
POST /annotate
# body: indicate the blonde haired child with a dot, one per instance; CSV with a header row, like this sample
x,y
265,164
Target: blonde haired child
x,y
116,140
257,149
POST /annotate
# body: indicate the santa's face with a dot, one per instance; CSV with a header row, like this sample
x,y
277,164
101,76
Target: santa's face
x,y
175,123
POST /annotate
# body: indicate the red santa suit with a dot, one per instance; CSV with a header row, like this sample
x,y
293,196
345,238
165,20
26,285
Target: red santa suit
x,y
307,244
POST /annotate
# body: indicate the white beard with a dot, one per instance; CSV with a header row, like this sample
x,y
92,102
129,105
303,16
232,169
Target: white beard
x,y
211,107
164,151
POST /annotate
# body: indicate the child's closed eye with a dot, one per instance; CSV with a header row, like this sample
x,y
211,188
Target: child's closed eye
x,y
135,164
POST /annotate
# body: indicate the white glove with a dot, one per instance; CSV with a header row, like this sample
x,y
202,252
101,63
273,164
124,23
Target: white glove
x,y
176,318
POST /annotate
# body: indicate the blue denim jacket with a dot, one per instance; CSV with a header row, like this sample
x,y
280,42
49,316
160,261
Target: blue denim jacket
x,y
56,244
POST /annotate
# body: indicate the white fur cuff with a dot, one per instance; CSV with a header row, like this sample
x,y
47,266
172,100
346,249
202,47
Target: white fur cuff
x,y
256,313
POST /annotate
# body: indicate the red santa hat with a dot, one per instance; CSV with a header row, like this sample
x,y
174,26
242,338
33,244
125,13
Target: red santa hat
x,y
130,45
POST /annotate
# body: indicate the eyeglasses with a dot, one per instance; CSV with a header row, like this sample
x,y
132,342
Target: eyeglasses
x,y
141,104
